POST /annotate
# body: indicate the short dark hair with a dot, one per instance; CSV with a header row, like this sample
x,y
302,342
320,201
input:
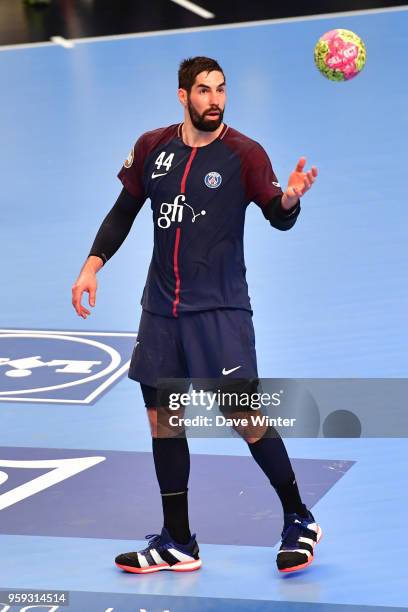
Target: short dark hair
x,y
191,67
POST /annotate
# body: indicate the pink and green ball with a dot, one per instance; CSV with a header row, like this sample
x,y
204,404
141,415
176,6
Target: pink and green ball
x,y
340,55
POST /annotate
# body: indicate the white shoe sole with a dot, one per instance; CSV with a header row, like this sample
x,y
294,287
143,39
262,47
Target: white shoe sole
x,y
182,566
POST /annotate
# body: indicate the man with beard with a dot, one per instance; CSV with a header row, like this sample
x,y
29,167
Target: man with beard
x,y
196,322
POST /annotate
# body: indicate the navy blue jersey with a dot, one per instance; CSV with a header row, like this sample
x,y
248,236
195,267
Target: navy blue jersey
x,y
198,196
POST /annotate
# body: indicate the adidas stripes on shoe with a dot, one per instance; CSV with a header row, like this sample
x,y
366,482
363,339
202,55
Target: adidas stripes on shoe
x,y
299,538
162,553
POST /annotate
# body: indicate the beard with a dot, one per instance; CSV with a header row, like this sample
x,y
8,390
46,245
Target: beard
x,y
203,122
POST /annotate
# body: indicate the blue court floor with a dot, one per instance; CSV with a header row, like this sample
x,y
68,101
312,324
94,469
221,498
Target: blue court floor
x,y
330,300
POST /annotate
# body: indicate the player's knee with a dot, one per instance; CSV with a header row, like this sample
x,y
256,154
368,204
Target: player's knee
x,y
161,424
252,440
246,424
254,435
152,417
267,432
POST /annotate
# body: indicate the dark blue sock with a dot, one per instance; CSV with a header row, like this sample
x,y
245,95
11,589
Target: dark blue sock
x,y
172,463
270,454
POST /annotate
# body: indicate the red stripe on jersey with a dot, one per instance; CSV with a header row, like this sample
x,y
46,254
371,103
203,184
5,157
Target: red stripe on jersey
x,y
176,272
187,170
178,233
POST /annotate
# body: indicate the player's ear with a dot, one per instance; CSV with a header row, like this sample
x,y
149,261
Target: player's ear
x,y
182,96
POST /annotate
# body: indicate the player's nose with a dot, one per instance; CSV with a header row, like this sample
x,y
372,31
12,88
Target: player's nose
x,y
214,99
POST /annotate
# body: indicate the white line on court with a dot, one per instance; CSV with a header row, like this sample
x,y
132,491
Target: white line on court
x,y
194,8
225,26
32,45
67,333
107,383
41,401
60,40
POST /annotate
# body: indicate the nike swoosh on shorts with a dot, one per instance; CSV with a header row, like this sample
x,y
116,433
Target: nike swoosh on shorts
x,y
225,372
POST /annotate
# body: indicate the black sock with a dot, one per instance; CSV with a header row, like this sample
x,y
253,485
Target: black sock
x,y
172,463
175,512
270,454
290,498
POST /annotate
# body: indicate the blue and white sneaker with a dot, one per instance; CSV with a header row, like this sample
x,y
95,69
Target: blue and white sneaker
x,y
299,538
162,553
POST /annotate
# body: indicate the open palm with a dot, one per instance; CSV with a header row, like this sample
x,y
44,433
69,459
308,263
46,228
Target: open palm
x,y
299,181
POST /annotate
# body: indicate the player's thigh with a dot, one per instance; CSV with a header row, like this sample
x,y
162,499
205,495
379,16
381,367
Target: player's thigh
x,y
158,353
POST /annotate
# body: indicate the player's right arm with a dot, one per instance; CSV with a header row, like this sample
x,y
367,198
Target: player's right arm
x,y
111,234
113,230
86,282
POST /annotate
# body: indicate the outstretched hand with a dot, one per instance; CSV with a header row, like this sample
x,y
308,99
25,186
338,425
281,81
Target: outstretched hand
x,y
299,182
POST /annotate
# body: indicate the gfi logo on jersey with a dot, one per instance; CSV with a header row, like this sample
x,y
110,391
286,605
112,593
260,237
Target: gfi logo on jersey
x,y
173,213
68,367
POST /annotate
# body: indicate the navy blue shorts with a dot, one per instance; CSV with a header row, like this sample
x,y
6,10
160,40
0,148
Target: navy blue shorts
x,y
210,344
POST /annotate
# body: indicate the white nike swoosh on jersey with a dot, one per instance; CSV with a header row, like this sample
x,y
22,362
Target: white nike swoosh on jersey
x,y
154,175
225,372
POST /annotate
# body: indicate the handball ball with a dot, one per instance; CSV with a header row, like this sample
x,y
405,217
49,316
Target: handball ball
x,y
340,55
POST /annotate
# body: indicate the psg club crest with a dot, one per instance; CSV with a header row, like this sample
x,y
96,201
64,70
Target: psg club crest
x,y
213,180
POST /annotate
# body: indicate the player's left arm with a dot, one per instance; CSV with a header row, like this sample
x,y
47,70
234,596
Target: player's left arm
x,y
280,208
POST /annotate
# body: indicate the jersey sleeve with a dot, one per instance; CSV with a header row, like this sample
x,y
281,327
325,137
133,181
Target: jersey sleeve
x,y
263,188
261,184
131,173
116,226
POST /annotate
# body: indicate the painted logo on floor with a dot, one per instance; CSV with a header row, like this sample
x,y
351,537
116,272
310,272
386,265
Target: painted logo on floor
x,y
74,493
67,367
55,471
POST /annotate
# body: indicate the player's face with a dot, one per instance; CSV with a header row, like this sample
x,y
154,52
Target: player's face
x,y
206,101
